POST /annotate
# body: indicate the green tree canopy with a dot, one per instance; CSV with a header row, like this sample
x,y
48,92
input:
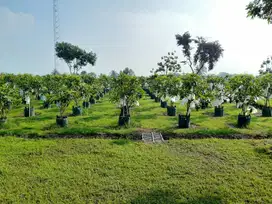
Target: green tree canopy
x,y
169,64
128,71
206,55
74,56
125,89
261,9
266,66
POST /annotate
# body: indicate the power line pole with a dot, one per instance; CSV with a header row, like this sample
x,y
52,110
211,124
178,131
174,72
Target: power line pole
x,y
56,30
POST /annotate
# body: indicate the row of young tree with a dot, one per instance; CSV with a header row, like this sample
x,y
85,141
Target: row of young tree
x,y
194,91
61,90
197,92
126,89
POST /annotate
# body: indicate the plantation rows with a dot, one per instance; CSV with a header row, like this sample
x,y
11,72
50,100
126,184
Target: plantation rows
x,y
190,91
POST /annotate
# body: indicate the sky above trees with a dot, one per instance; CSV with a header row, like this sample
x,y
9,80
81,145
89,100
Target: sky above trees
x,y
130,33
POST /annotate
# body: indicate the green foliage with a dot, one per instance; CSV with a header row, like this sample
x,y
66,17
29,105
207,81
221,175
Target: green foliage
x,y
113,74
10,78
172,84
149,115
191,91
266,66
64,96
215,80
119,171
8,96
128,71
207,54
75,57
265,82
50,86
168,65
261,9
30,85
24,82
104,82
76,87
246,92
125,89
219,89
100,120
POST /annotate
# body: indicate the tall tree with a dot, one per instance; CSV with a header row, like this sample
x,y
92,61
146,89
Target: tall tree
x,y
266,66
114,74
55,72
261,9
169,64
207,53
75,57
128,71
83,73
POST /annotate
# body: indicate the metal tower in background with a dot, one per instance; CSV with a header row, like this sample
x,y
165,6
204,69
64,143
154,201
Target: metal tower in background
x,y
56,30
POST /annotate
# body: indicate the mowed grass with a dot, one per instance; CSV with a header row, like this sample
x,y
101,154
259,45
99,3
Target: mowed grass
x,y
122,171
102,119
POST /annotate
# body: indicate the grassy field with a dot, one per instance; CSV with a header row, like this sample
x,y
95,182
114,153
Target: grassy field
x,y
102,118
123,171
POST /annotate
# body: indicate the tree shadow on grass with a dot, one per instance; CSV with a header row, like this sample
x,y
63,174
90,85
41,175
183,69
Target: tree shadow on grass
x,y
92,118
167,197
145,109
34,118
120,142
199,119
266,150
50,126
143,117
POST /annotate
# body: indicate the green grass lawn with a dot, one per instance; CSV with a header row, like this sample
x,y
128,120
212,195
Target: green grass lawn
x,y
101,119
123,171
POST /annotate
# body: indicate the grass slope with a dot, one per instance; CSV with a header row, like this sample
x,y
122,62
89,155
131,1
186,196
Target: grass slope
x,y
120,171
102,118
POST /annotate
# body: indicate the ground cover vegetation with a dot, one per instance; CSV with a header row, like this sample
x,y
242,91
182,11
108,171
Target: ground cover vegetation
x,y
123,171
48,163
129,105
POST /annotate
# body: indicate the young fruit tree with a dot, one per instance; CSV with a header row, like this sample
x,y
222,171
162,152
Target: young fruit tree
x,y
50,84
63,97
190,93
8,96
172,86
125,91
75,57
266,93
206,55
246,94
75,85
218,89
161,90
24,82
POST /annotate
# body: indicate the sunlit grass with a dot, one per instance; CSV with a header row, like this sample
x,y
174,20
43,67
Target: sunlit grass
x,y
122,171
102,119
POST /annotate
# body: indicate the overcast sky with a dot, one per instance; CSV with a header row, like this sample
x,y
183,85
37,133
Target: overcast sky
x,y
129,33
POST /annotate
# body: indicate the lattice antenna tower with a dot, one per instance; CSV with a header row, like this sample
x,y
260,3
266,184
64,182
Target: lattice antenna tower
x,y
56,24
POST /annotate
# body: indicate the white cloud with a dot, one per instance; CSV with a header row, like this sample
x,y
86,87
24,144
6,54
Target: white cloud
x,y
14,23
15,30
